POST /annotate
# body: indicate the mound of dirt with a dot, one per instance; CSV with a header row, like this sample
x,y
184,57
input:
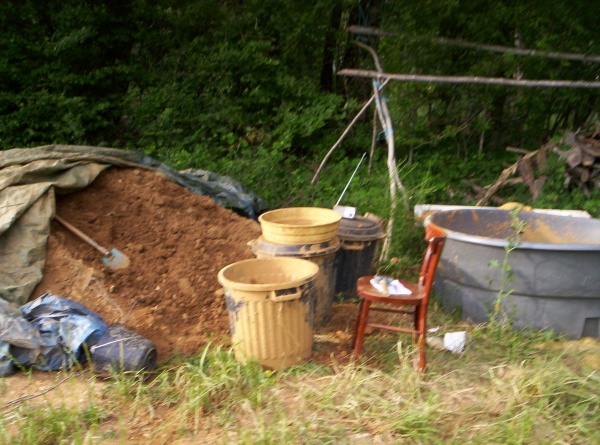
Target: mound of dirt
x,y
177,242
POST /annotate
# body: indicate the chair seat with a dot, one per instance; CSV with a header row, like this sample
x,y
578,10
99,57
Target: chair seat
x,y
367,291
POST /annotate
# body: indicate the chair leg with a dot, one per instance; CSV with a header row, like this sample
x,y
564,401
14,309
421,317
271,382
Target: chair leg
x,y
361,324
421,343
416,325
422,363
357,323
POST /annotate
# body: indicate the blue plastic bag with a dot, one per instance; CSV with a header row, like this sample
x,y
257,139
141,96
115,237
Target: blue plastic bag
x,y
64,326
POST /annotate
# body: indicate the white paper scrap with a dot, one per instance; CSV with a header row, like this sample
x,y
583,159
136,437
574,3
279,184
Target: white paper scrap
x,y
387,285
455,341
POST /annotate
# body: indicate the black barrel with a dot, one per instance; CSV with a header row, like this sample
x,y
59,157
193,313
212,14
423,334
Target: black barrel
x,y
323,254
120,349
360,241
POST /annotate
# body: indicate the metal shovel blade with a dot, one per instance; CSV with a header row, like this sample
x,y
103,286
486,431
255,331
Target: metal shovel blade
x,y
115,259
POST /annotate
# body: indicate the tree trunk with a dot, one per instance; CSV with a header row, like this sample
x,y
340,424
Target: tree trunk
x,y
330,49
366,13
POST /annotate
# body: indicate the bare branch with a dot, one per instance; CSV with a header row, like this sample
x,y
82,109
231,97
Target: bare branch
x,y
470,79
366,31
518,150
373,54
33,396
481,46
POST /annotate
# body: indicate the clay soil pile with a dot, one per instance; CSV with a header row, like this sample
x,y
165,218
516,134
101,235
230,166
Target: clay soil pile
x,y
177,242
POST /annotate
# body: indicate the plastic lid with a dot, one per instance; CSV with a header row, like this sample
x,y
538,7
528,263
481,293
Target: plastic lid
x,y
360,228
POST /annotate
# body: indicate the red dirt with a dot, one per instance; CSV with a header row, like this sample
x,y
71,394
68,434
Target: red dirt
x,y
177,242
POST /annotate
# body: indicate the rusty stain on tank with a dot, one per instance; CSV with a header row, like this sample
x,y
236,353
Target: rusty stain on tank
x,y
539,228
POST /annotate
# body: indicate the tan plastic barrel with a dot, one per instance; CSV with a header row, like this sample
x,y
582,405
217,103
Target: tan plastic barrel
x,y
271,307
299,225
322,254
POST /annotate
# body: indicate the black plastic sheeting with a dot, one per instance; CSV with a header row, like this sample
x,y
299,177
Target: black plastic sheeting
x,y
122,350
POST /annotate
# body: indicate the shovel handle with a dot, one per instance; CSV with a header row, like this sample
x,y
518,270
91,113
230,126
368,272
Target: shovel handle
x,y
82,235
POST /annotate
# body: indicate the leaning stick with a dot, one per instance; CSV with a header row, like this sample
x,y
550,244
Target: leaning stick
x,y
373,141
386,123
341,138
389,137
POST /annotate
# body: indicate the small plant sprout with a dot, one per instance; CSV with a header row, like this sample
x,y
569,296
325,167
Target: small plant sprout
x,y
499,317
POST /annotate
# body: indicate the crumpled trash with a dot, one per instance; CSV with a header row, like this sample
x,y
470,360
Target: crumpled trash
x,y
455,341
451,341
63,326
389,286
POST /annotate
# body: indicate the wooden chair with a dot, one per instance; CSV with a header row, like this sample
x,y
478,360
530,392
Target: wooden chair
x,y
414,304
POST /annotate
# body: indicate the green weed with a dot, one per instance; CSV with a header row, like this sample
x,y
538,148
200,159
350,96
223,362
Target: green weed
x,y
499,316
213,382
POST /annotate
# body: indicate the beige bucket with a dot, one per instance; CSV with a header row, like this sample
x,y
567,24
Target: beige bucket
x,y
299,225
271,308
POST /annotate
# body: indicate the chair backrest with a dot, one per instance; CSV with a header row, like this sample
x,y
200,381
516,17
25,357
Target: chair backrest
x,y
435,247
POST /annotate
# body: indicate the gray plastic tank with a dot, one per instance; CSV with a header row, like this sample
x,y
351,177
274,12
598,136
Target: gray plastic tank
x,y
556,269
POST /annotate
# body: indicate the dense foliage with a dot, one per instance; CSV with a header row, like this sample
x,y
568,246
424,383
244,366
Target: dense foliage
x,y
249,88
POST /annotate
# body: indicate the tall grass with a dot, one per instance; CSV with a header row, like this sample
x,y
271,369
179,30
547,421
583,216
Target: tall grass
x,y
507,387
33,424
